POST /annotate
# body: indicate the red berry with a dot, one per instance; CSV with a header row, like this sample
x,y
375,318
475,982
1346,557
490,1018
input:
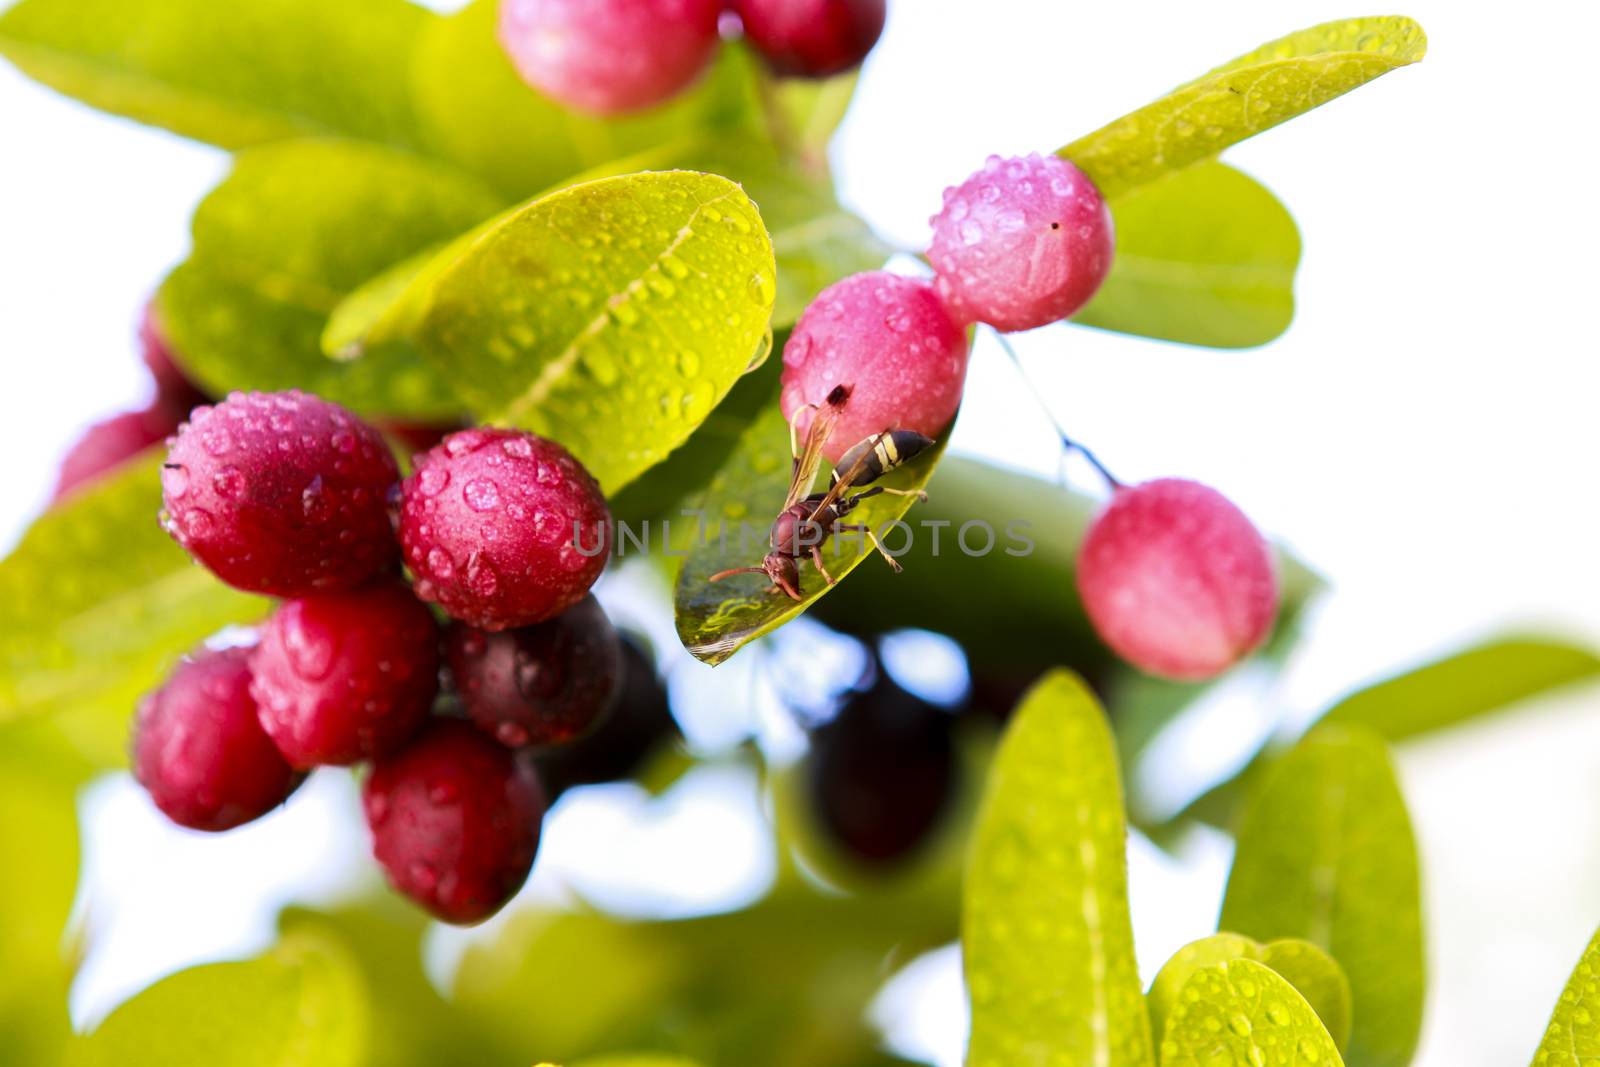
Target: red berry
x,y
455,821
1176,579
609,56
1022,243
502,528
342,677
200,751
891,340
173,386
812,38
281,493
109,444
546,684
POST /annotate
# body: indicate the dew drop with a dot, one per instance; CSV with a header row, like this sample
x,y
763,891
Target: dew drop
x,y
482,494
175,480
440,563
228,482
433,480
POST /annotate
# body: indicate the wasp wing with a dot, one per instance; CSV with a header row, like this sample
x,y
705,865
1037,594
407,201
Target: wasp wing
x,y
843,482
809,461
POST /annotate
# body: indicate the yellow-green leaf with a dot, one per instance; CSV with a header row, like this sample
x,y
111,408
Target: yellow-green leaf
x,y
1205,256
233,74
612,316
1242,1012
300,1005
99,603
294,229
1046,936
1239,99
1312,972
1572,1039
1326,853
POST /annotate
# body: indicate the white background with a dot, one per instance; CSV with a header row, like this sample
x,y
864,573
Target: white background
x,y
1425,433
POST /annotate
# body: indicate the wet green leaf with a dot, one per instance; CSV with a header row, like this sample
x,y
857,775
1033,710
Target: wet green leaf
x,y
1239,99
294,229
100,601
477,112
642,1060
716,619
300,1005
1572,1038
1205,256
39,846
1312,972
233,74
612,316
1046,937
1242,1012
1476,681
1326,853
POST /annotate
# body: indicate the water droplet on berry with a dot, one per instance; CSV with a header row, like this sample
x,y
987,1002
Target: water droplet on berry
x,y
482,494
314,501
197,522
517,447
175,480
216,440
228,482
432,480
482,578
440,563
511,734
310,655
971,232
423,877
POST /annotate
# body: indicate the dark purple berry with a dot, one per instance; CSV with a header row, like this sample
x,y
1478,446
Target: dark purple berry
x,y
639,724
342,677
455,821
883,772
546,684
502,528
199,749
281,493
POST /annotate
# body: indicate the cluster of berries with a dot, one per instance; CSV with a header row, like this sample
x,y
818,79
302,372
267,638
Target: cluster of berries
x,y
1174,577
288,495
614,56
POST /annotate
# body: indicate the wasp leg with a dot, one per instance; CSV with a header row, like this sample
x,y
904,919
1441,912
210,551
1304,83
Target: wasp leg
x,y
918,493
816,559
877,544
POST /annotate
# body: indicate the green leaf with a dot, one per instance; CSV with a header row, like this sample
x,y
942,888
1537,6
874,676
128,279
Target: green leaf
x,y
1572,1039
294,229
1312,972
1241,1012
1205,256
100,601
300,1005
40,847
1326,853
233,74
612,316
1046,936
1255,92
477,112
716,619
643,1060
1479,680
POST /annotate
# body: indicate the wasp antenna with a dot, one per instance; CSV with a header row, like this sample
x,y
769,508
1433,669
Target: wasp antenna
x,y
737,570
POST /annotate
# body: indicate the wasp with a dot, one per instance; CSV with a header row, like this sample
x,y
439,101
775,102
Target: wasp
x,y
808,519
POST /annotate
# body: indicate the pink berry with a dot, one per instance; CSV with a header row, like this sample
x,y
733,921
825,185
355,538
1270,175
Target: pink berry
x,y
812,38
546,684
1022,243
342,677
107,445
891,340
1176,579
281,493
609,56
200,751
455,821
502,528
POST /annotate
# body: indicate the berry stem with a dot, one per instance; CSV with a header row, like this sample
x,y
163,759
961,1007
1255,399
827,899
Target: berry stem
x,y
1068,442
